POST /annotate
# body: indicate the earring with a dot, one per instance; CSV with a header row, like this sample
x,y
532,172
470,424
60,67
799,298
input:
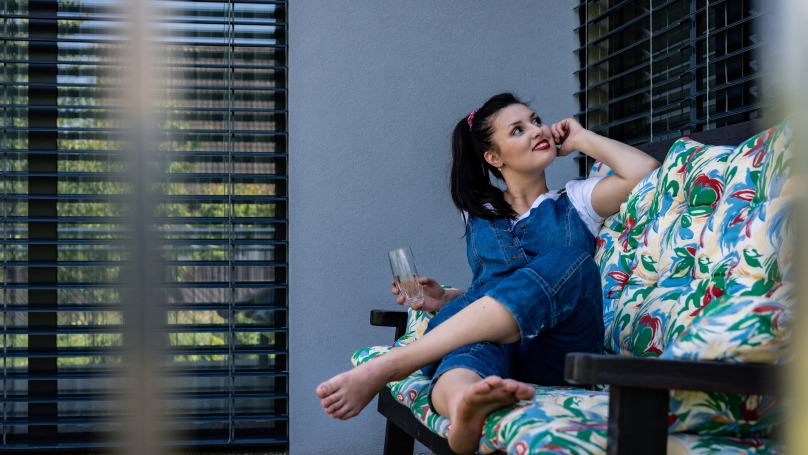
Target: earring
x,y
499,169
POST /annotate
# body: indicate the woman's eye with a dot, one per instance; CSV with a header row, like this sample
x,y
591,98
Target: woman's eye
x,y
516,131
536,122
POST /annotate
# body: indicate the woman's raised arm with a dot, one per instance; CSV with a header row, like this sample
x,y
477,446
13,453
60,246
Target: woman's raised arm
x,y
630,165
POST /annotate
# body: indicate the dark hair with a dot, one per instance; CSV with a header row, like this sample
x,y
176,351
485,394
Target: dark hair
x,y
471,185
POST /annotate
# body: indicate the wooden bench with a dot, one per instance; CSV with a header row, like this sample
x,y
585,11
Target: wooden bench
x,y
639,393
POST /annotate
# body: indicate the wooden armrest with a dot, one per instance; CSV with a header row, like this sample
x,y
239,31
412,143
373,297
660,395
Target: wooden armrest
x,y
639,393
385,318
648,373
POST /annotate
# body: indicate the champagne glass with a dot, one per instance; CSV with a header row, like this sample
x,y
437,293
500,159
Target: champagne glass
x,y
402,264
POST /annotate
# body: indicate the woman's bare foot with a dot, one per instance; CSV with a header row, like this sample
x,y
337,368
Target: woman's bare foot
x,y
479,400
346,394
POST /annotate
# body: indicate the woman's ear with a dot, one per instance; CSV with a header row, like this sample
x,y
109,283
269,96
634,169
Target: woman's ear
x,y
493,159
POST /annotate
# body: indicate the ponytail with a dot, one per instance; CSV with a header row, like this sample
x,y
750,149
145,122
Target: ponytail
x,y
471,186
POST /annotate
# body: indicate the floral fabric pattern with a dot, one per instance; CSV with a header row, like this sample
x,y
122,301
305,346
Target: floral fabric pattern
x,y
367,354
746,329
689,187
690,444
417,321
616,253
564,420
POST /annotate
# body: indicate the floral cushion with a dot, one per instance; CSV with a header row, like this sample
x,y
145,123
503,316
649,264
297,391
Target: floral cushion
x,y
693,249
718,224
744,329
616,257
749,245
660,293
689,444
558,420
417,322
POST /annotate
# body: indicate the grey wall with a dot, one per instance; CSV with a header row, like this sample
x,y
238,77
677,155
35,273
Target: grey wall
x,y
375,88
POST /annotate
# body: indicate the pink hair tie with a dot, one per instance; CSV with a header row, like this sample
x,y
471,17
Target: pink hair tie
x,y
471,119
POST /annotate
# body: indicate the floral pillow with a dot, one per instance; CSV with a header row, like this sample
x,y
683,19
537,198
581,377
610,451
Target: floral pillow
x,y
736,329
751,324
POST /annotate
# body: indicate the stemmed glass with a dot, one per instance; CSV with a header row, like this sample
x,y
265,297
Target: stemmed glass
x,y
402,264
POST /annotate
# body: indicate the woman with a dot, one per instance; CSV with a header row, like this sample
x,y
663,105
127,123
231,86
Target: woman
x,y
535,294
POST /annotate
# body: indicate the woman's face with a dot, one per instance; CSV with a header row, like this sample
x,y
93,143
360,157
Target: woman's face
x,y
524,144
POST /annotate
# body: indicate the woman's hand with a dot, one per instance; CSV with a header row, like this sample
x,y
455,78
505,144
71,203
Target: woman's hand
x,y
435,296
629,164
565,134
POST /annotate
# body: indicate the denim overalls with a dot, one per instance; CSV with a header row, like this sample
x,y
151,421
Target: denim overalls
x,y
542,271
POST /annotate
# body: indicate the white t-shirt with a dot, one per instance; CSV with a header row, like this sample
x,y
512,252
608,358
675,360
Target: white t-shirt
x,y
580,194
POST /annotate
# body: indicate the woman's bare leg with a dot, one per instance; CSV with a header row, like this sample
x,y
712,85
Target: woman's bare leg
x,y
346,394
466,399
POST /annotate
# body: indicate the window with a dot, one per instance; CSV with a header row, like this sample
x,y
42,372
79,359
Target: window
x,y
220,220
659,69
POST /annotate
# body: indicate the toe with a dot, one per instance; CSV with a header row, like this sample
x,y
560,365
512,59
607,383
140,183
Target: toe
x,y
494,381
334,408
525,392
510,385
337,411
324,390
332,400
350,414
481,387
341,413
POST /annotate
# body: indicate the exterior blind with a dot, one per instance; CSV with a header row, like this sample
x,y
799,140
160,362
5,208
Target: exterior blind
x,y
657,69
220,218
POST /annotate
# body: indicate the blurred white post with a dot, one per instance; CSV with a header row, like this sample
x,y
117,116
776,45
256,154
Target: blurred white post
x,y
795,73
144,302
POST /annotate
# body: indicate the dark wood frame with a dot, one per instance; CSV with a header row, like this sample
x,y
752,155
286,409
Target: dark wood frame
x,y
632,430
